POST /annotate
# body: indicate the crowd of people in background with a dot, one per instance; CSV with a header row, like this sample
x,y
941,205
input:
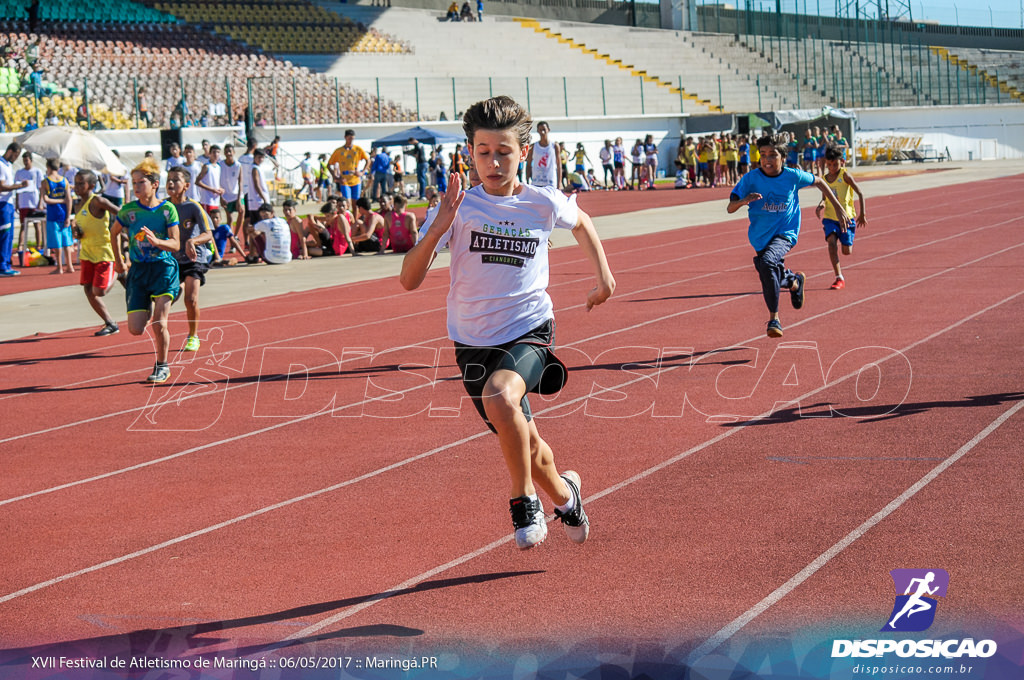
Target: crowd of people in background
x,y
232,189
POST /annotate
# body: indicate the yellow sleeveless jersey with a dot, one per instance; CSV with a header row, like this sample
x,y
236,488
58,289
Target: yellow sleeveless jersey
x,y
844,192
96,245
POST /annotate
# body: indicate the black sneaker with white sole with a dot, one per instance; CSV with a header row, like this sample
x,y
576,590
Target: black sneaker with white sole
x,y
528,520
577,525
108,329
161,373
796,297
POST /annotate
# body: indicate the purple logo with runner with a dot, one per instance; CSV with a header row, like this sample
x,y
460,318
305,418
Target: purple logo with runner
x,y
916,593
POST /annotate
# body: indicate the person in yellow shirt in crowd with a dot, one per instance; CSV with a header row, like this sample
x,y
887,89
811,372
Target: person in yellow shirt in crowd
x,y
347,164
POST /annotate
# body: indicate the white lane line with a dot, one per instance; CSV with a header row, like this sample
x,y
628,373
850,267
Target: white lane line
x,y
487,548
137,409
424,290
680,243
276,426
739,622
350,611
233,520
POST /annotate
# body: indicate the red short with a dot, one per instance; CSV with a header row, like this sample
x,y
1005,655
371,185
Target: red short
x,y
98,274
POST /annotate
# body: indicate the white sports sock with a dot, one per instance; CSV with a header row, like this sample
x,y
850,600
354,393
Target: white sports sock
x,y
570,504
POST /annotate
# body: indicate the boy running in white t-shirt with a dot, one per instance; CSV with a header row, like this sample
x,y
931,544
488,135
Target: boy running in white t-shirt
x,y
499,313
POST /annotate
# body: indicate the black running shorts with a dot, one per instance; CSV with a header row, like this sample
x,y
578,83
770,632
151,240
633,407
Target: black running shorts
x,y
530,356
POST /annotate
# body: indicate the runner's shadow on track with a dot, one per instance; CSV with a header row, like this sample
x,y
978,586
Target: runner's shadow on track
x,y
692,297
320,375
48,389
875,414
182,640
683,359
70,357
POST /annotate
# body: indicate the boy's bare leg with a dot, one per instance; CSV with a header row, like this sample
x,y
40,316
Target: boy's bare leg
x,y
833,254
137,321
191,299
161,334
527,456
95,297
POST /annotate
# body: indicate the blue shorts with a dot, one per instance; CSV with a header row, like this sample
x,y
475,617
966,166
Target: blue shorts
x,y
352,192
148,280
832,227
57,235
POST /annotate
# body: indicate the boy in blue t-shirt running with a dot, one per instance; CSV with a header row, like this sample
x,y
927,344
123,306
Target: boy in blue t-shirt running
x,y
770,192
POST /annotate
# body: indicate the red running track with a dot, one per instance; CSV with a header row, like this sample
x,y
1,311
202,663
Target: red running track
x,y
736,484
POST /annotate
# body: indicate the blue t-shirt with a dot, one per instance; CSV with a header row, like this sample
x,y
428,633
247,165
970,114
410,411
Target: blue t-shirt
x,y
777,213
381,163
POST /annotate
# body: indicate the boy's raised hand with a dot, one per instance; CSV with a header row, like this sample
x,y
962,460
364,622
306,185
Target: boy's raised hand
x,y
449,204
751,197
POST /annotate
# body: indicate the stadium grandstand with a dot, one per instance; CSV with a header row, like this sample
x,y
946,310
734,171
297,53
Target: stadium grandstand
x,y
119,64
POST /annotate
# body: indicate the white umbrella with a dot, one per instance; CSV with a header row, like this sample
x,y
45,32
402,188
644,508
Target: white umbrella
x,y
80,148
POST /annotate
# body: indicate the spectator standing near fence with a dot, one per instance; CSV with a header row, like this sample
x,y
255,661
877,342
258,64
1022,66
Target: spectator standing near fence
x,y
347,164
419,152
28,204
7,188
544,160
56,198
114,185
650,160
257,192
231,199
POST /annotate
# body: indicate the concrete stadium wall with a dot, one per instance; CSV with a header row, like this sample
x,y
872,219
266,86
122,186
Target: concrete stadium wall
x,y
982,132
592,11
968,132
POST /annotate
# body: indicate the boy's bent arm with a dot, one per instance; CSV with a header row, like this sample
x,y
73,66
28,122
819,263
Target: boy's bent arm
x,y
862,215
586,236
418,260
115,231
737,203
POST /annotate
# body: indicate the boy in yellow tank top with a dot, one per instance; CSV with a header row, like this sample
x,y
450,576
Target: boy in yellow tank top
x,y
92,227
836,234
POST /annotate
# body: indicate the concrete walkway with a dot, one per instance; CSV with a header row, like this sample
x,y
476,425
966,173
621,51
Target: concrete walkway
x,y
58,309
